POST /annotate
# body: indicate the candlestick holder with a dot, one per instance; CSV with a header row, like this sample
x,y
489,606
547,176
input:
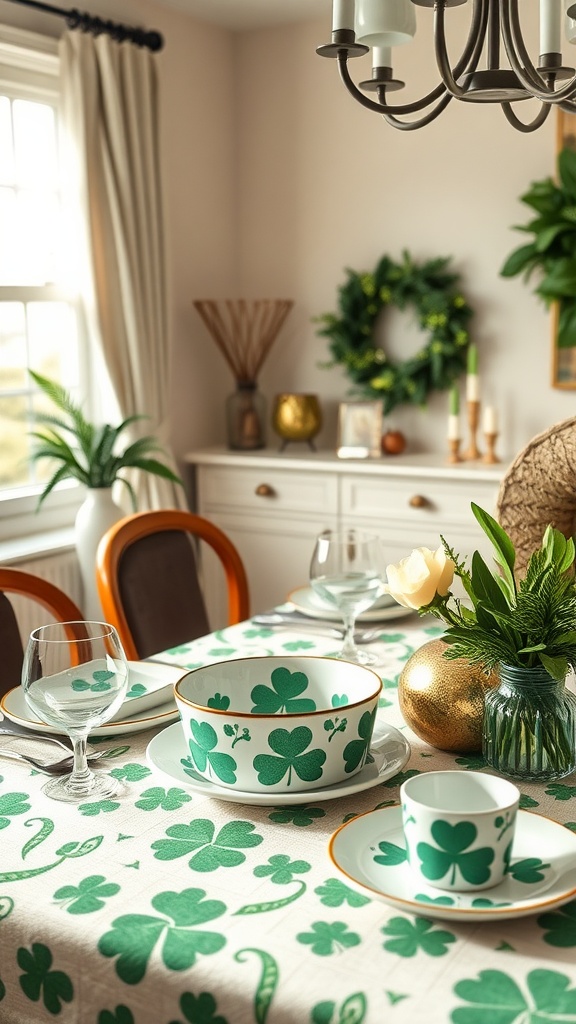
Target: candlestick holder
x,y
454,450
490,457
473,407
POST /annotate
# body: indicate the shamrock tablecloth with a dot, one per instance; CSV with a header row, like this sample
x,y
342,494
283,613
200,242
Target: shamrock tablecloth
x,y
168,907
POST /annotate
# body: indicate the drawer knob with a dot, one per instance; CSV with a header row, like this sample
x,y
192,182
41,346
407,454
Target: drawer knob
x,y
265,491
418,501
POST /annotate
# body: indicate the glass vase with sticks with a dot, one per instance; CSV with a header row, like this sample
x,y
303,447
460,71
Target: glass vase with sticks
x,y
244,331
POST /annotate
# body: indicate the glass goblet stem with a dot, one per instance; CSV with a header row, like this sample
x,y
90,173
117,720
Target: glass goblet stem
x,y
81,780
349,650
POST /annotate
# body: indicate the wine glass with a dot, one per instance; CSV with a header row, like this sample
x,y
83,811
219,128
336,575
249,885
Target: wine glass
x,y
347,571
75,677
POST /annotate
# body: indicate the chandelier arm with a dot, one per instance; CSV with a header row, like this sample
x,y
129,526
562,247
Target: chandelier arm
x,y
384,108
521,63
468,61
473,49
521,126
568,106
407,126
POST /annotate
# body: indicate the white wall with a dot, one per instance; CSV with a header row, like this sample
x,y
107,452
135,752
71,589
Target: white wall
x,y
276,181
325,185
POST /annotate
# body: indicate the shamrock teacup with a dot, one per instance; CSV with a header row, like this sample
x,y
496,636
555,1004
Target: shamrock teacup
x,y
277,724
459,828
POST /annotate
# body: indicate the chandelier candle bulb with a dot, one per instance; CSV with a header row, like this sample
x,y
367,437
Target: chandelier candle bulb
x,y
342,15
551,12
382,57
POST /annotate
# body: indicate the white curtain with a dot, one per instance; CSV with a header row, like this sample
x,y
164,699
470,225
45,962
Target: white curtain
x,y
110,112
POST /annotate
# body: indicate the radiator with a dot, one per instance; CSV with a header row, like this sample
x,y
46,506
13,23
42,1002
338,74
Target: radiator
x,y
60,568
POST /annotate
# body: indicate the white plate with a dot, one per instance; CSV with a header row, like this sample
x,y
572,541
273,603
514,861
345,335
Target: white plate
x,y
353,849
390,751
149,686
305,600
14,706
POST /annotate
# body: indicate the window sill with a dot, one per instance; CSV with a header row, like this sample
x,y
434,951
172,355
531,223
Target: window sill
x,y
36,545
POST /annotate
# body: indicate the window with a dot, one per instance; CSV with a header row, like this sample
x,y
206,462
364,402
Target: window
x,y
39,309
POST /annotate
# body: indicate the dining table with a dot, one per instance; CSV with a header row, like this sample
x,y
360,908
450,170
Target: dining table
x,y
179,901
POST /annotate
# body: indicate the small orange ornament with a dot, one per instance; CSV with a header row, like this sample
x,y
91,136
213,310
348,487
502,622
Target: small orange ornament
x,y
393,442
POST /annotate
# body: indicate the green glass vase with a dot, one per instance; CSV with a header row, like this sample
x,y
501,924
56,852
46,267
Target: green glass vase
x,y
529,725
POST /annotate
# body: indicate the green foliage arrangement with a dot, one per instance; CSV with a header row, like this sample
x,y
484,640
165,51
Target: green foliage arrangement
x,y
88,453
526,623
552,250
442,312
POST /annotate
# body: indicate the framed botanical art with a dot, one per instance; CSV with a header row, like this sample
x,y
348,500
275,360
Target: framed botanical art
x,y
563,356
359,430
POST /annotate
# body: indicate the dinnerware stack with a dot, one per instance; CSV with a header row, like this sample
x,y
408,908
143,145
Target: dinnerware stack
x,y
149,701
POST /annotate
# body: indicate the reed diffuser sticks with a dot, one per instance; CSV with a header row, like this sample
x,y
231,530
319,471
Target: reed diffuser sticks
x,y
244,330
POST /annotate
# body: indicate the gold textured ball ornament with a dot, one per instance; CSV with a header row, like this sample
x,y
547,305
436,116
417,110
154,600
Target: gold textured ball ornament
x,y
442,700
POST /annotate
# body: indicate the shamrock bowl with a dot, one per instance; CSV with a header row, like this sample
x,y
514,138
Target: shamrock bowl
x,y
277,724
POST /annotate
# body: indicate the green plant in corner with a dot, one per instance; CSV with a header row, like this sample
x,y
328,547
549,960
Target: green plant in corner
x,y
552,250
86,452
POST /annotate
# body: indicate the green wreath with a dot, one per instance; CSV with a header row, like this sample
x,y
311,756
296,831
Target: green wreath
x,y
441,309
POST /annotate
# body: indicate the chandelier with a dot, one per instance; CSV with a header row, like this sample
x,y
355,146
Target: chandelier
x,y
478,77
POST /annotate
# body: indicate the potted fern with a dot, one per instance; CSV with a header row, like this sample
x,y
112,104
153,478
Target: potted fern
x,y
94,456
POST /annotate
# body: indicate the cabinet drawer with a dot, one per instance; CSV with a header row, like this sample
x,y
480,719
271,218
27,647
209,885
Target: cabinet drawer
x,y
413,501
266,490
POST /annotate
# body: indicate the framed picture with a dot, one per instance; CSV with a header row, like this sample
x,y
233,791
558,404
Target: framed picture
x,y
359,430
563,359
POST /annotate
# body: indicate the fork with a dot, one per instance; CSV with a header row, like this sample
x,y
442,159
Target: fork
x,y
37,737
63,767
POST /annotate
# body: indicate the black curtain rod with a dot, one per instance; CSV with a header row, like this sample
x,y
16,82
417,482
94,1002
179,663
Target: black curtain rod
x,y
88,23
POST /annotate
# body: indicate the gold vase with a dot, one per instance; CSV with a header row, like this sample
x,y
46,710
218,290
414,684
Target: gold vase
x,y
442,700
296,417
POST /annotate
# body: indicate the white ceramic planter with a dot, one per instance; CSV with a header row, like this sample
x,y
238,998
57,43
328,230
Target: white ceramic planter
x,y
97,513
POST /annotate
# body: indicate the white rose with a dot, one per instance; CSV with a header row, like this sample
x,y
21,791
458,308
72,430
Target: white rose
x,y
415,580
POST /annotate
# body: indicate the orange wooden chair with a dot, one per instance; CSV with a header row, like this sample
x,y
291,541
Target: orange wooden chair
x,y
148,580
59,606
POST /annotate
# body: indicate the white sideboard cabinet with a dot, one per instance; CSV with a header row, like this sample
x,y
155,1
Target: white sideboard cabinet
x,y
272,506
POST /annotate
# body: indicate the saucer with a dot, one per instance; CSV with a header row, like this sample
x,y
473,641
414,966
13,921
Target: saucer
x,y
371,852
13,705
390,750
307,601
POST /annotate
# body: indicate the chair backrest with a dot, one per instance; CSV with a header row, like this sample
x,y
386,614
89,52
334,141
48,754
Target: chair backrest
x,y
59,606
148,580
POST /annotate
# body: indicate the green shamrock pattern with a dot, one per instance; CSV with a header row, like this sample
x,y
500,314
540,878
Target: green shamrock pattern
x,y
546,998
325,939
283,696
268,932
133,937
355,752
560,926
206,758
291,756
101,682
86,897
407,938
450,854
39,981
210,850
